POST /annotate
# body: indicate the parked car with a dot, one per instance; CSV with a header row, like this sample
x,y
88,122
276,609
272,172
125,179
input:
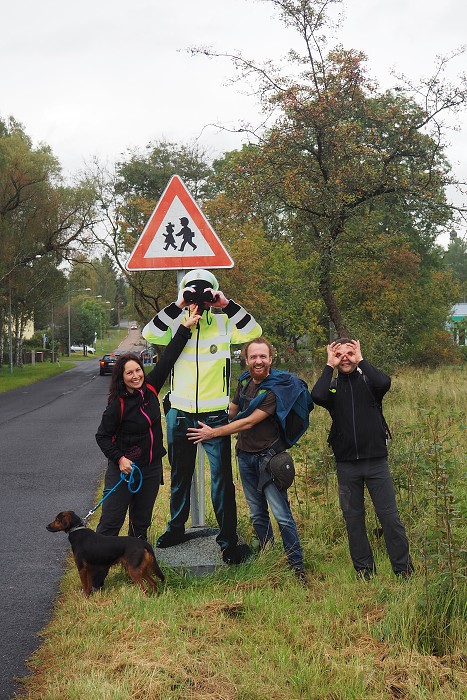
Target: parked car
x,y
79,348
107,362
133,327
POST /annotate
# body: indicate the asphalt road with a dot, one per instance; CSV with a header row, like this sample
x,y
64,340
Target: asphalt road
x,y
49,462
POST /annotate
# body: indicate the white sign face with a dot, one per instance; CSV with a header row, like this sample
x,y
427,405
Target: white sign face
x,y
178,236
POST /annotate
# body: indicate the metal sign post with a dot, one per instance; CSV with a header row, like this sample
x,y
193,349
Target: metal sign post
x,y
197,493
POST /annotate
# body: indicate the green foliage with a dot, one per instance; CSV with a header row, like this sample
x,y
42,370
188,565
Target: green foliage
x,y
398,300
34,343
145,174
42,223
273,284
89,317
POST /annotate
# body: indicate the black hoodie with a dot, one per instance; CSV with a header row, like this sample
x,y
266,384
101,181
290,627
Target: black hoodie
x,y
358,430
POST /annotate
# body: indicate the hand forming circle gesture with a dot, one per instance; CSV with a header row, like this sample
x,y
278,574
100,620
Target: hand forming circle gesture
x,y
350,351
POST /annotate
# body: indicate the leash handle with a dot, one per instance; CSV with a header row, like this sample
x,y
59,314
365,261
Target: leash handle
x,y
131,478
123,478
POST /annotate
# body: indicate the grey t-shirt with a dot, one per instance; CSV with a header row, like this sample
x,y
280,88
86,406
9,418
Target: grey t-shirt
x,y
263,434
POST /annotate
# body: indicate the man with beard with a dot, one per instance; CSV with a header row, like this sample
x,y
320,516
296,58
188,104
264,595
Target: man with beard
x,y
258,431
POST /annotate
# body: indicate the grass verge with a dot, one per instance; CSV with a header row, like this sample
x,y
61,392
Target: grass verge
x,y
253,632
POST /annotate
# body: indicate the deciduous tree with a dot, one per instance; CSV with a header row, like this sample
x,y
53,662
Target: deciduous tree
x,y
338,149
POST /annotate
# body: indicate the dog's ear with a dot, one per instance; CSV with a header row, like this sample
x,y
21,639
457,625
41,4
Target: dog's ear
x,y
72,519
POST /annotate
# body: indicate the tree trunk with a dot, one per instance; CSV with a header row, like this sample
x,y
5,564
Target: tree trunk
x,y
2,335
328,297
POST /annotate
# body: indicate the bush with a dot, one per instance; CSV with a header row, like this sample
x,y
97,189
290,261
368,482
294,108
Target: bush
x,y
435,349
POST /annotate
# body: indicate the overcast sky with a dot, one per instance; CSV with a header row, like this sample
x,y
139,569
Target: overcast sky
x,y
97,77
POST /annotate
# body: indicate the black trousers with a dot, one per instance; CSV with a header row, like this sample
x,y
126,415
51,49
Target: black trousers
x,y
138,505
182,457
374,473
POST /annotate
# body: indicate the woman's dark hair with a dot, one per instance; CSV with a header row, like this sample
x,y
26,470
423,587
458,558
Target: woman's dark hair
x,y
117,385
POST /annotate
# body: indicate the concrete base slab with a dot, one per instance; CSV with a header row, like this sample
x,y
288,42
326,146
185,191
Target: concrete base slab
x,y
199,554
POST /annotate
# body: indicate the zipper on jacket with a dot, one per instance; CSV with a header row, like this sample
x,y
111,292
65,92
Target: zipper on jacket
x,y
353,420
150,427
197,368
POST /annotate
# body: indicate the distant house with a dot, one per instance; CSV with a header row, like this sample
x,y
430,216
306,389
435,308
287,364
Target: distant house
x,y
458,323
29,330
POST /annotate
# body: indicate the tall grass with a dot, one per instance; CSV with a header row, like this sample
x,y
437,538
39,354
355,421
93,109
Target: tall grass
x,y
253,632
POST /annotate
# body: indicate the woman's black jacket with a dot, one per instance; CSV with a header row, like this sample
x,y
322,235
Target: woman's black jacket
x,y
131,427
358,428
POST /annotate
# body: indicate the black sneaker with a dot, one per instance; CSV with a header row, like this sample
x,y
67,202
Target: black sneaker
x,y
364,574
236,554
170,538
300,575
404,575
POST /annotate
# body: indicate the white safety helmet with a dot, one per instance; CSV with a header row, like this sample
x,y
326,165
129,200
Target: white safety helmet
x,y
199,276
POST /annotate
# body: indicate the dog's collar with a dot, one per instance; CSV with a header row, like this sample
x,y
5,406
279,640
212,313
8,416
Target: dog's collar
x,y
78,527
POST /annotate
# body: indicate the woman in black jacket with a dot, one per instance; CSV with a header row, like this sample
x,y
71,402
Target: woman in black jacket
x,y
131,431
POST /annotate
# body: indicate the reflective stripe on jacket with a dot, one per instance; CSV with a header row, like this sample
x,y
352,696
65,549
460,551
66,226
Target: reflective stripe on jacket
x,y
201,376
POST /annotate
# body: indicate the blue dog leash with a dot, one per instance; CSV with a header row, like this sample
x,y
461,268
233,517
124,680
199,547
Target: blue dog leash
x,y
123,477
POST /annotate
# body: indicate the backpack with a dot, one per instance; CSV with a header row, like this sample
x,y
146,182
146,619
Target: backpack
x,y
293,402
366,381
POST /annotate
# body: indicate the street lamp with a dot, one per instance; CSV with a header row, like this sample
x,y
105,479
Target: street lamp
x,y
10,329
99,296
120,305
70,292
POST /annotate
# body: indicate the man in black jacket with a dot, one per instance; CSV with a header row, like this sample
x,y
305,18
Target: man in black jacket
x,y
358,438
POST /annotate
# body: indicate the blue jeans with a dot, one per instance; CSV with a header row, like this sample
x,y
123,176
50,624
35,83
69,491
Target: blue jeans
x,y
352,477
278,501
182,458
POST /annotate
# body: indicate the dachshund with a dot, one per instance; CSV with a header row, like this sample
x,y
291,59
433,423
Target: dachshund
x,y
93,552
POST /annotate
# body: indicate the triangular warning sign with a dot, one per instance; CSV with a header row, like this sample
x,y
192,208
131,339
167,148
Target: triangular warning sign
x,y
177,236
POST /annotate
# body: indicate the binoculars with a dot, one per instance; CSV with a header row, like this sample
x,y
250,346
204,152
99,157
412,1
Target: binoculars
x,y
199,296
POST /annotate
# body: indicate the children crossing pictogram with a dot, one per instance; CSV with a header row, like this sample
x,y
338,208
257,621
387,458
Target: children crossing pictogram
x,y
178,236
169,236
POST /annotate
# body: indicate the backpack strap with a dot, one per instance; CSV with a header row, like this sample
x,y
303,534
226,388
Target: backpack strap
x,y
241,398
366,381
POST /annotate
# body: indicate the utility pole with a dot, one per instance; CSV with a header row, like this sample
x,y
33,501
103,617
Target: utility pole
x,y
10,330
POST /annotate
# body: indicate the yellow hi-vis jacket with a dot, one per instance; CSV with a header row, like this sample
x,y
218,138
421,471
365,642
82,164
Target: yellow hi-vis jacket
x,y
200,380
